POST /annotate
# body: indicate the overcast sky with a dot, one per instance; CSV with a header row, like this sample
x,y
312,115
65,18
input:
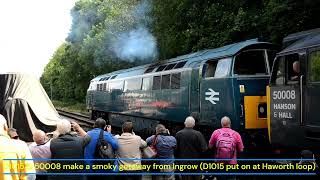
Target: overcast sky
x,y
30,32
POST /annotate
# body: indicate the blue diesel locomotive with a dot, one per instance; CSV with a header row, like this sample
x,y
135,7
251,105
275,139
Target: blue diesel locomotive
x,y
209,84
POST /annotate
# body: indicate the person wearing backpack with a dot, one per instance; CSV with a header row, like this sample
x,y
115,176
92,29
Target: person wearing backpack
x,y
165,145
226,142
98,136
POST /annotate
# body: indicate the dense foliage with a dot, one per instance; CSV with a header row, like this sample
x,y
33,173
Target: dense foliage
x,y
178,27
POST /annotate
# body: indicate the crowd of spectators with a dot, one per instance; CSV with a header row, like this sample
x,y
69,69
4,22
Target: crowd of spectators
x,y
72,144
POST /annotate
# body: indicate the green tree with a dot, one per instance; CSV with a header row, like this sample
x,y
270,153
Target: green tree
x,y
180,27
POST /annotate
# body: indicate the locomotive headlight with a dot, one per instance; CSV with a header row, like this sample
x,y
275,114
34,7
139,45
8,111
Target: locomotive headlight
x,y
262,110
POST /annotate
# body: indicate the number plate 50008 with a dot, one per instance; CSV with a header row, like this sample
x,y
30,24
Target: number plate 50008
x,y
288,94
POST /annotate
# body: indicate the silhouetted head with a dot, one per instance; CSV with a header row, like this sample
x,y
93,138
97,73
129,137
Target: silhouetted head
x,y
226,122
189,122
127,127
100,123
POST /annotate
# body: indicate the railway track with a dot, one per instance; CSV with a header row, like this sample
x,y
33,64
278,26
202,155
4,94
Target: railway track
x,y
84,121
81,119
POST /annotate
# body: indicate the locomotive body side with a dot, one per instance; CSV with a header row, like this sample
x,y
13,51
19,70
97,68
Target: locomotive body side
x,y
227,81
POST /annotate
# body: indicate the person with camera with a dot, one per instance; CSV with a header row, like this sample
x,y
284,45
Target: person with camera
x,y
98,134
67,146
165,145
129,152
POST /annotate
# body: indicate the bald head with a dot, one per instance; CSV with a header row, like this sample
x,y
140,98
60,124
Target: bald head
x,y
226,122
39,137
3,125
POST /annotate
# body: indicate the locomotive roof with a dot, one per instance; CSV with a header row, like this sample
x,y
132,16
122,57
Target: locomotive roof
x,y
301,40
224,51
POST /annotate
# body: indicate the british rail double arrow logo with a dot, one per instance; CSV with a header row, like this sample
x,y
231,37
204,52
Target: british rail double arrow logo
x,y
211,96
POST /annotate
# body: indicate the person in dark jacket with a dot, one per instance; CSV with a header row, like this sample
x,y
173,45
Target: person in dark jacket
x,y
190,144
165,145
67,146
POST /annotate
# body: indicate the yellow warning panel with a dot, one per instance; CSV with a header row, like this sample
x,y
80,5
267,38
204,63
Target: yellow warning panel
x,y
251,105
268,112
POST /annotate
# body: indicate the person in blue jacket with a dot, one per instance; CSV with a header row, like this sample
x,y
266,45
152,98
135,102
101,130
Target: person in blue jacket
x,y
89,151
165,145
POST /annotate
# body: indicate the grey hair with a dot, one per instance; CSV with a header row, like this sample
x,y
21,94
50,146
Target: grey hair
x,y
160,128
63,126
296,66
225,121
189,122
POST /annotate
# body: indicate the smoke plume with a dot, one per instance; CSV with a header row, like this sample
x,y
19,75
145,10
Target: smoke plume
x,y
107,31
137,44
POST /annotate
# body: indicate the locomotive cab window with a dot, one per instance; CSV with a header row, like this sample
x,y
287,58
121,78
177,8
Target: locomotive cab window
x,y
217,69
251,63
278,72
293,68
314,68
286,70
209,69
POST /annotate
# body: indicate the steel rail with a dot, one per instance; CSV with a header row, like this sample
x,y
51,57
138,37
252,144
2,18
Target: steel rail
x,y
80,118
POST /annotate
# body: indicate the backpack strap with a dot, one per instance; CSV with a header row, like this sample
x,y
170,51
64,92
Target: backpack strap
x,y
101,138
154,141
101,134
